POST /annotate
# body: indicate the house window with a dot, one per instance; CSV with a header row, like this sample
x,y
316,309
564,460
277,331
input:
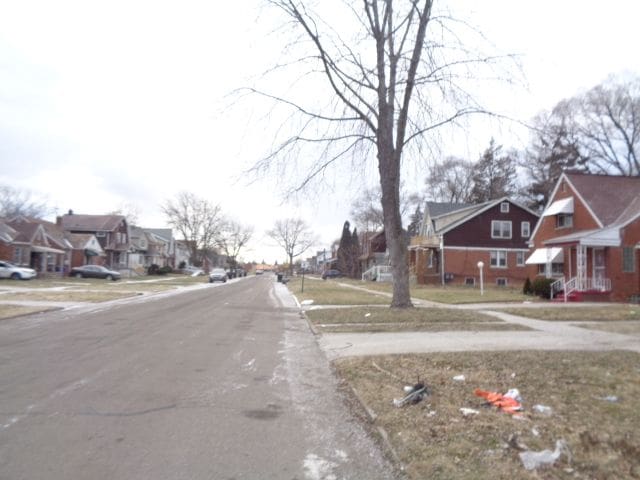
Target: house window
x,y
504,207
498,259
525,229
520,259
557,269
430,259
501,282
500,229
470,281
628,259
564,220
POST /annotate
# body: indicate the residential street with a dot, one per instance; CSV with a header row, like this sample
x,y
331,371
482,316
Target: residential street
x,y
225,381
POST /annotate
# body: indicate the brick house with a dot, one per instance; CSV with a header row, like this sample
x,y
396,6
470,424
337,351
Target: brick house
x,y
588,236
111,231
34,243
455,237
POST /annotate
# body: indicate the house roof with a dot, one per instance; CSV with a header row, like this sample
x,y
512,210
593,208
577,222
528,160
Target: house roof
x,y
609,197
91,223
79,240
476,210
7,234
437,209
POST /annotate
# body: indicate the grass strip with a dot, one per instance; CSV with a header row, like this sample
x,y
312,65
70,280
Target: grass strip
x,y
434,440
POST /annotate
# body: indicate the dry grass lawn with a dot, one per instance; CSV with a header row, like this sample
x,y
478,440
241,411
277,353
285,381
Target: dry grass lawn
x,y
605,313
329,292
381,319
434,440
93,296
10,311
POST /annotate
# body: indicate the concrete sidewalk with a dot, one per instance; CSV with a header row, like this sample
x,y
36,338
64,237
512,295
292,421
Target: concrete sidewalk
x,y
543,336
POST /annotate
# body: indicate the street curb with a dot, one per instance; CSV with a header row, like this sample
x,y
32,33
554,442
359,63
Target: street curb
x,y
371,415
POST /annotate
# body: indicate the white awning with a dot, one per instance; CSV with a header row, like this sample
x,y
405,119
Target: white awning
x,y
560,206
546,255
39,249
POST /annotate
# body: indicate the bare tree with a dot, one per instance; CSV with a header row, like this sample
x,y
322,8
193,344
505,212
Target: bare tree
x,y
294,236
366,210
607,120
197,220
128,210
232,238
554,148
494,175
450,180
14,202
390,83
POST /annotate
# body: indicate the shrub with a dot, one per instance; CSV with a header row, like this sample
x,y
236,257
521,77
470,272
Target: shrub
x,y
164,270
528,288
182,265
542,287
153,269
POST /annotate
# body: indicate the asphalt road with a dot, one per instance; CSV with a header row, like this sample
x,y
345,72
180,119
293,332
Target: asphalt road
x,y
223,382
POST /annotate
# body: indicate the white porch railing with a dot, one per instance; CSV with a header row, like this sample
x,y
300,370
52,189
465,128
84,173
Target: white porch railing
x,y
576,285
380,273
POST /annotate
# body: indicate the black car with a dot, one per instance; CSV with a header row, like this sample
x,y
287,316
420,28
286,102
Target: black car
x,y
94,271
331,274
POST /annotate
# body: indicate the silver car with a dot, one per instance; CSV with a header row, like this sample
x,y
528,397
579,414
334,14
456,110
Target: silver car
x,y
217,275
9,270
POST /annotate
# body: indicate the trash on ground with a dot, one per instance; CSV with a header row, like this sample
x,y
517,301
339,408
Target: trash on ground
x,y
459,378
508,402
367,314
533,460
543,409
469,411
609,398
414,395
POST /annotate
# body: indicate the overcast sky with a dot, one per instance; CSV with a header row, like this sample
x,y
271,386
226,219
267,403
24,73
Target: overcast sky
x,y
104,104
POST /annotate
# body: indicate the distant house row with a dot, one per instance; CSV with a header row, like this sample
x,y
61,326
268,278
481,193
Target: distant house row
x,y
586,239
88,239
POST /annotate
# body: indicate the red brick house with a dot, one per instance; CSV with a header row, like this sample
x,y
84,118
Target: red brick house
x,y
588,237
455,237
111,231
34,243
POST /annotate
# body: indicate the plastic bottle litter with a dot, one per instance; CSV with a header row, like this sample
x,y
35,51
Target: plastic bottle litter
x,y
543,409
533,460
469,411
459,378
415,395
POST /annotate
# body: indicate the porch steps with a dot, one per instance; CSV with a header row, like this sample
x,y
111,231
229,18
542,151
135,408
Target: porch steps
x,y
587,296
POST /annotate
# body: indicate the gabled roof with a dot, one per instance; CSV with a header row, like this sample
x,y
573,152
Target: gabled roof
x,y
475,210
607,196
91,223
437,209
7,234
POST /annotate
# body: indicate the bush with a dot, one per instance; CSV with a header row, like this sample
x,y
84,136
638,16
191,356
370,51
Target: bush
x,y
158,270
528,288
542,287
182,265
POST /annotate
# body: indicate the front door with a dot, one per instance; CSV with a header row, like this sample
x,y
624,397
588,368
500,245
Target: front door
x,y
598,269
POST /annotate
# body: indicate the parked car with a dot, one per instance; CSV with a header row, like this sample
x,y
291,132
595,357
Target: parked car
x,y
218,275
9,270
193,271
331,274
94,271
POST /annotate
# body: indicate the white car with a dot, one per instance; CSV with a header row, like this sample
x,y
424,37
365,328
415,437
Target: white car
x,y
9,270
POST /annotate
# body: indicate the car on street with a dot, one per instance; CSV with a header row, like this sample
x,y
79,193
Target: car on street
x,y
331,274
217,275
94,271
14,272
